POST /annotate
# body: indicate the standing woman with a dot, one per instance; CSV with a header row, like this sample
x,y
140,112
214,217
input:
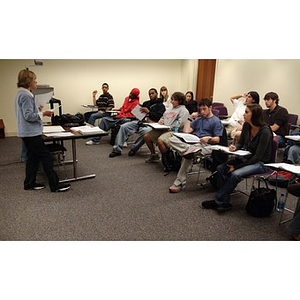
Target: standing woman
x,y
191,104
164,95
256,137
30,128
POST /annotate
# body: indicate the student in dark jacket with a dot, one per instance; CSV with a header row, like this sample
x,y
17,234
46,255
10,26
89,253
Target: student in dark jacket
x,y
276,116
153,109
191,105
257,138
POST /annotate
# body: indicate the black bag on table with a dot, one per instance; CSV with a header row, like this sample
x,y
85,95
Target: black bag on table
x,y
68,120
261,200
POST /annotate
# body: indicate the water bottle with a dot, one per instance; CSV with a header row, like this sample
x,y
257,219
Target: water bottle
x,y
176,126
280,203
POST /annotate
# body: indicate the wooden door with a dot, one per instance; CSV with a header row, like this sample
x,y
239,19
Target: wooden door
x,y
205,78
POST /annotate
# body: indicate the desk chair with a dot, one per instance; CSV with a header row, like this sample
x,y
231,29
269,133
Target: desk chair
x,y
213,159
294,190
223,112
292,121
58,149
217,104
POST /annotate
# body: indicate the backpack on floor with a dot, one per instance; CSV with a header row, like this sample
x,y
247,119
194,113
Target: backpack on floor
x,y
281,179
171,160
261,201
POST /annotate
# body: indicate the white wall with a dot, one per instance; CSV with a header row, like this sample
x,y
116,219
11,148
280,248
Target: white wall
x,y
262,75
74,80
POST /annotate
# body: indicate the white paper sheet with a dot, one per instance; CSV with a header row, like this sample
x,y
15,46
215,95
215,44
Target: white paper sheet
x,y
43,99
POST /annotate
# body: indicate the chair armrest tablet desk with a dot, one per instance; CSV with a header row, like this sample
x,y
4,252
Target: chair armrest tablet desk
x,y
76,135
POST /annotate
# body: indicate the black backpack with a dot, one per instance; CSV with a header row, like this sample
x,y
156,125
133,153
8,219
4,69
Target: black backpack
x,y
171,160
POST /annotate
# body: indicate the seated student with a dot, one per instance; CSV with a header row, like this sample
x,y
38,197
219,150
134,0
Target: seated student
x,y
164,96
292,151
208,128
257,138
276,116
124,115
178,113
104,102
236,121
293,155
294,225
191,105
153,110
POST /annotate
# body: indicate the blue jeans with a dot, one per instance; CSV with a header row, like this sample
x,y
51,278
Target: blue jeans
x,y
227,182
281,141
107,123
95,116
127,130
290,143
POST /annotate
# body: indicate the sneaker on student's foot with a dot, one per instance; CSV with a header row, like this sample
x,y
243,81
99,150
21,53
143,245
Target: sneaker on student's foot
x,y
176,188
91,142
36,186
153,158
114,154
62,187
131,152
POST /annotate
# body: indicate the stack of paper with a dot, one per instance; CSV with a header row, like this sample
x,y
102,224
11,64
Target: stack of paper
x,y
49,129
87,130
286,167
59,134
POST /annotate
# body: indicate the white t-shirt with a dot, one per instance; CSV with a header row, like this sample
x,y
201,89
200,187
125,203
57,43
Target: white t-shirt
x,y
239,111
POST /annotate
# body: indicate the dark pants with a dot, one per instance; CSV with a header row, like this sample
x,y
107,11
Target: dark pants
x,y
38,152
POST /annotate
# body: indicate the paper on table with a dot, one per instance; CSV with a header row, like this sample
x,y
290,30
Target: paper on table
x,y
86,130
157,126
48,129
137,112
59,134
287,167
293,137
226,150
43,99
187,137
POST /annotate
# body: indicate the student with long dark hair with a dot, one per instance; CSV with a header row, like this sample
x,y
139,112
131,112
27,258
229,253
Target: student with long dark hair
x,y
191,105
257,138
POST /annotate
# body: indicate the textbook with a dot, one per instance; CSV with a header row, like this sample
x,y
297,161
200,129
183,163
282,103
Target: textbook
x,y
286,167
226,150
187,137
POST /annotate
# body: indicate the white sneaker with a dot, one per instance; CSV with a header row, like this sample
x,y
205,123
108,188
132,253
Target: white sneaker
x,y
91,142
125,145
